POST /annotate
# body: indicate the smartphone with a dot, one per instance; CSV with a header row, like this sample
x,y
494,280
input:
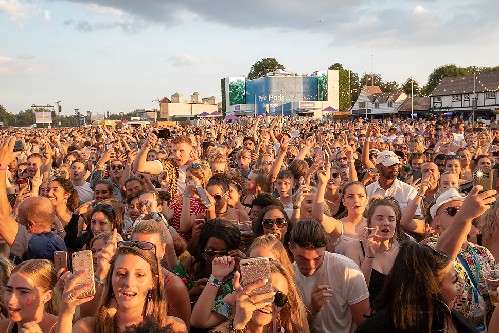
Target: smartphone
x,y
60,260
485,178
254,269
203,195
23,182
19,145
326,156
82,261
163,133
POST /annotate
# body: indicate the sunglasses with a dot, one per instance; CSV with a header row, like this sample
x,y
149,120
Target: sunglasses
x,y
218,197
195,165
451,211
147,246
116,167
280,299
280,222
215,253
335,175
341,159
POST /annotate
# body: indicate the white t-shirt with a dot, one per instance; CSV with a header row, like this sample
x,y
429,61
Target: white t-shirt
x,y
85,192
347,285
403,192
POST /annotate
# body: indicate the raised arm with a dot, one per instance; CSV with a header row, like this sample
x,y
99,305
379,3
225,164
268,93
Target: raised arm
x,y
141,164
475,204
330,224
8,226
276,166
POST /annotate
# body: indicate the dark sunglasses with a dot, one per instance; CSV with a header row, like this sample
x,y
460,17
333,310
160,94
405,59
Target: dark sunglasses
x,y
341,159
215,253
280,222
147,246
217,197
195,165
116,167
335,175
451,211
280,299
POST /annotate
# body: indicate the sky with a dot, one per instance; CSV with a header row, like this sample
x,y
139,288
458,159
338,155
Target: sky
x,y
121,55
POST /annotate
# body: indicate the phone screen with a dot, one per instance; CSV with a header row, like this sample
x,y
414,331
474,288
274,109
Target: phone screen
x,y
83,261
203,195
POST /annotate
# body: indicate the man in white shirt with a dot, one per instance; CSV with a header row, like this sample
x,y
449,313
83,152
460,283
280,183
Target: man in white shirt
x,y
77,176
332,286
387,184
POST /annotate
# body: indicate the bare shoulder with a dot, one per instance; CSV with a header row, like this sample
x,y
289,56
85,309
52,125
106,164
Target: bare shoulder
x,y
173,281
4,323
178,324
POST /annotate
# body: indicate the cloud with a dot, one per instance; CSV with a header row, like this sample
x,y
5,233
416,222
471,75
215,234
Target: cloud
x,y
420,9
46,15
85,26
17,10
104,10
20,66
184,60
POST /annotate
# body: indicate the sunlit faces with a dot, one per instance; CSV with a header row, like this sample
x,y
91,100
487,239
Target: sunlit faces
x,y
24,300
152,156
263,316
355,198
448,180
56,193
131,280
464,158
181,153
216,246
284,186
100,223
389,172
34,164
148,203
248,144
484,163
133,209
97,246
448,280
102,192
244,159
217,168
443,218
233,195
217,192
267,161
116,169
416,163
307,260
334,178
151,238
453,165
278,232
190,179
385,219
78,171
307,206
250,183
63,172
428,168
133,187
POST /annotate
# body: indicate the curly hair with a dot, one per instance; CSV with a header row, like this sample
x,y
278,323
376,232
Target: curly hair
x,y
74,200
171,172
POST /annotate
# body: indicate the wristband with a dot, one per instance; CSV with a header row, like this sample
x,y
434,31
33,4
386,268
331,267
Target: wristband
x,y
61,231
214,281
233,330
99,281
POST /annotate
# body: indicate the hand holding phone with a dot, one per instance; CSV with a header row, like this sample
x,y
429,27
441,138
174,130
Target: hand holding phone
x,y
255,269
60,260
83,264
202,195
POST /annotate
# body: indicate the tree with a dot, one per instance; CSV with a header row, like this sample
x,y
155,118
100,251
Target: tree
x,y
336,65
367,80
390,86
407,87
439,73
263,67
349,85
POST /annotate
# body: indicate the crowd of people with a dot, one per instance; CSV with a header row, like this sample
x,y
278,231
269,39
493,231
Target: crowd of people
x,y
382,225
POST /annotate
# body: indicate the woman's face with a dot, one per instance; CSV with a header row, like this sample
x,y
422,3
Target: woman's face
x,y
217,192
453,166
215,247
21,171
250,183
306,206
97,246
100,223
232,195
263,316
448,280
63,172
334,179
102,192
24,300
355,199
192,180
133,209
274,229
217,168
56,194
131,280
385,219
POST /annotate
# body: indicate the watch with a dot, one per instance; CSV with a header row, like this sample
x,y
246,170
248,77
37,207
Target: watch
x,y
214,281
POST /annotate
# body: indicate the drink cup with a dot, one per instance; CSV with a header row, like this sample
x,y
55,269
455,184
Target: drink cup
x,y
492,282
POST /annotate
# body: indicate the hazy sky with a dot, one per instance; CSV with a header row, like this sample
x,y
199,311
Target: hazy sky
x,y
119,55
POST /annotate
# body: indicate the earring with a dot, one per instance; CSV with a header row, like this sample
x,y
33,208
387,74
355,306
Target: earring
x,y
149,304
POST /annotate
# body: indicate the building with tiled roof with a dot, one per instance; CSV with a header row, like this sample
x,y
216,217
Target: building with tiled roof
x,y
373,102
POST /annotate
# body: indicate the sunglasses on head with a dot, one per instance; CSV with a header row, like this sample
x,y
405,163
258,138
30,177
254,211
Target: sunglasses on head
x,y
147,246
215,253
195,165
451,211
280,222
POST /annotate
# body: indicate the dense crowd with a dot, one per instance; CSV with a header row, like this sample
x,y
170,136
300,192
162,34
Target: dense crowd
x,y
259,225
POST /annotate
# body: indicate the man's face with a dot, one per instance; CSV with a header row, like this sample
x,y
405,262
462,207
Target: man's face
x,y
133,187
307,260
248,144
181,153
152,156
284,186
117,169
484,163
389,172
34,164
77,171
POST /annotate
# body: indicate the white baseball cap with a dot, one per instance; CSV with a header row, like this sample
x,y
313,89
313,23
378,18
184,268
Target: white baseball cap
x,y
387,158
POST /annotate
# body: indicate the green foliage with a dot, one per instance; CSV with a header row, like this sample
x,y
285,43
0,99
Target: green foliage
x,y
224,101
263,67
390,86
345,91
440,72
336,65
407,87
322,86
236,92
367,80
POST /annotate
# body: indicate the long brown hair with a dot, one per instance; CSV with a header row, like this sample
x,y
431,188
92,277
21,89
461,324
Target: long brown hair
x,y
400,235
105,322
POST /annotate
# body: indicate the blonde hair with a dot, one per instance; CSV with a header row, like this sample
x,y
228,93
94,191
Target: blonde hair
x,y
274,244
44,276
5,271
487,224
202,171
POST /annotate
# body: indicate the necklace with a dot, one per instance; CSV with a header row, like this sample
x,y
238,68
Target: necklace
x,y
222,213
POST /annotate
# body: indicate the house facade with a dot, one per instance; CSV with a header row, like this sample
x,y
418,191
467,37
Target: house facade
x,y
463,94
372,102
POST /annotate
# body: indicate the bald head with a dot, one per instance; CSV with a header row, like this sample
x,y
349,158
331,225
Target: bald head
x,y
39,211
